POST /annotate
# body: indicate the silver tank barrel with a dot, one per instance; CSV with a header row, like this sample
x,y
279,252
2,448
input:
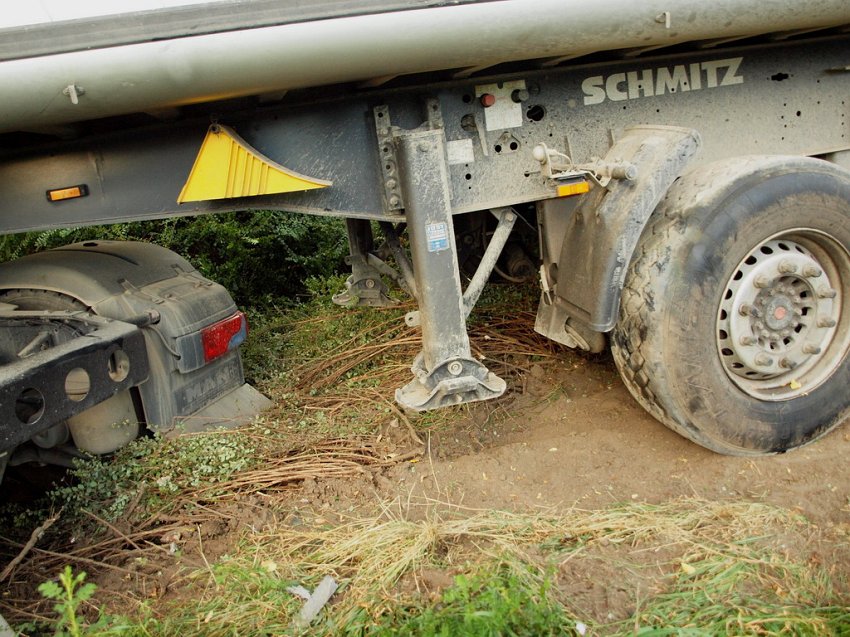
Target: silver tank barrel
x,y
82,85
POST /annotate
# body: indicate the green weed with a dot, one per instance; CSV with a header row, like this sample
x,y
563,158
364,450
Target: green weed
x,y
149,473
498,599
70,592
758,593
257,256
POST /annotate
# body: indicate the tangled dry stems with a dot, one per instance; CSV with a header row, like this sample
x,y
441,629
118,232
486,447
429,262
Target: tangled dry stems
x,y
344,375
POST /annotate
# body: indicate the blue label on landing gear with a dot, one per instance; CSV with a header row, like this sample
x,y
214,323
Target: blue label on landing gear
x,y
437,235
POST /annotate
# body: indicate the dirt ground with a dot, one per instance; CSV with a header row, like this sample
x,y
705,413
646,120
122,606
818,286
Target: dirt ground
x,y
571,435
566,435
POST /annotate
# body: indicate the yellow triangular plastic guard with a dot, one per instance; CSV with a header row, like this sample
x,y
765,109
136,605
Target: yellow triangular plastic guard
x,y
227,167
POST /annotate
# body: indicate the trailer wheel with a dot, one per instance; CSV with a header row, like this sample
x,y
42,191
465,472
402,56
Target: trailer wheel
x,y
734,325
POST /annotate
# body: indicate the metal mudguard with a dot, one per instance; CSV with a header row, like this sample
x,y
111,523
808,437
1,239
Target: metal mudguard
x,y
604,228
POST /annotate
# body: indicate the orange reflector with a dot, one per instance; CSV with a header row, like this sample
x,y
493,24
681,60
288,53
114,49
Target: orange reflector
x,y
72,192
575,188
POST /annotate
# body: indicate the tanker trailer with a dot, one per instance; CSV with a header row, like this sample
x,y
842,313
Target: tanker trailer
x,y
683,166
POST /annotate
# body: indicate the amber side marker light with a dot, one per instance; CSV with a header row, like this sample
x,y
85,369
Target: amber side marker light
x,y
71,192
574,188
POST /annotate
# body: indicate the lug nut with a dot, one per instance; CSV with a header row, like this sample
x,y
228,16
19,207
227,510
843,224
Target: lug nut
x,y
787,267
747,340
811,272
745,310
787,363
811,349
763,360
826,293
455,368
826,322
761,282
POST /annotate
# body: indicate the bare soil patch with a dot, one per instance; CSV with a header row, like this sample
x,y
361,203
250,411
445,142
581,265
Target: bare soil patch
x,y
569,435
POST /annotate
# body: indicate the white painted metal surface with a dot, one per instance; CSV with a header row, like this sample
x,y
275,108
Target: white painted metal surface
x,y
40,11
83,85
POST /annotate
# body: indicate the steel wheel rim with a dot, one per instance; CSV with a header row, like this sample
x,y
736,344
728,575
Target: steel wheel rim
x,y
782,323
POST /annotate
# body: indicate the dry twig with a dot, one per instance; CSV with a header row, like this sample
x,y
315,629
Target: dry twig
x,y
34,538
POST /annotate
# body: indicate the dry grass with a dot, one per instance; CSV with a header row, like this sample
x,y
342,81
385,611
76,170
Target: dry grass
x,y
714,552
342,458
360,368
374,552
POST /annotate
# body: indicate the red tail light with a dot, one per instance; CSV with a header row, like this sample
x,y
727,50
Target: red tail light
x,y
220,338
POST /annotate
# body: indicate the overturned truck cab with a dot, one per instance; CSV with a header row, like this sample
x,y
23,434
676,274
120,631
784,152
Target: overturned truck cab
x,y
102,340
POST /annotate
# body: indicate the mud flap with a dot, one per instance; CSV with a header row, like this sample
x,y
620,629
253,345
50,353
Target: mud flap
x,y
605,227
236,407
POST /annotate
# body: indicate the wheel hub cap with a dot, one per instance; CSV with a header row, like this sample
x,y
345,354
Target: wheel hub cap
x,y
779,313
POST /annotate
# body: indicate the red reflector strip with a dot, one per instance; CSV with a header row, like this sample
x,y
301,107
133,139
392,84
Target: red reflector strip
x,y
220,338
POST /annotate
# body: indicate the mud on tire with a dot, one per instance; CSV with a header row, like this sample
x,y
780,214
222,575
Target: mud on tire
x,y
734,325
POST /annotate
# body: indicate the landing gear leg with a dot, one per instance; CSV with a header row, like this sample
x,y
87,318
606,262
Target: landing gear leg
x,y
445,371
364,287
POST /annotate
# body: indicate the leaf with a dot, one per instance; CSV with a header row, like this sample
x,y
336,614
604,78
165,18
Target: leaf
x,y
50,590
86,592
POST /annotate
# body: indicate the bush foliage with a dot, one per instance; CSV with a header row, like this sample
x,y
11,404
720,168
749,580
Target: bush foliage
x,y
255,255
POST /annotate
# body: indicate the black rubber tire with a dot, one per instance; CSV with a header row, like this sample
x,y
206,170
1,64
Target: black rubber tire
x,y
665,343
